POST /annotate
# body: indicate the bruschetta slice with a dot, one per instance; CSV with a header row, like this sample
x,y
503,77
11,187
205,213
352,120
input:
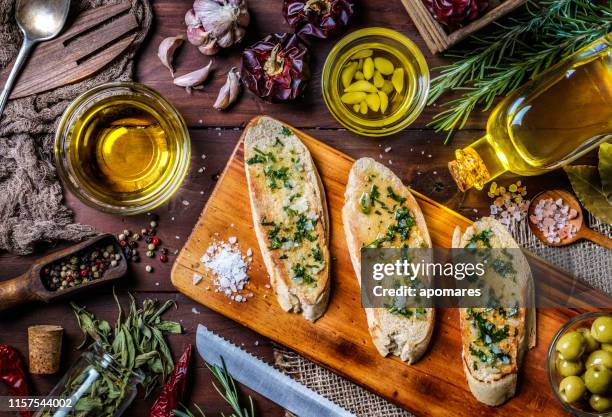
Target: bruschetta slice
x,y
494,340
379,211
289,216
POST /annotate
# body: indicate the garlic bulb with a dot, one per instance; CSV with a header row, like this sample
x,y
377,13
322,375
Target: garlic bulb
x,y
216,24
230,90
166,51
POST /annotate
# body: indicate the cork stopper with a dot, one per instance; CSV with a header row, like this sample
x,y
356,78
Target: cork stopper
x,y
468,170
45,346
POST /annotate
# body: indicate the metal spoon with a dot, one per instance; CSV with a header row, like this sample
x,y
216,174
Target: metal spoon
x,y
582,231
39,20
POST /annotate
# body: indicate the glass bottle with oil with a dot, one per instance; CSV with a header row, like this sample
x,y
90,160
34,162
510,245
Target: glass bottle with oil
x,y
545,124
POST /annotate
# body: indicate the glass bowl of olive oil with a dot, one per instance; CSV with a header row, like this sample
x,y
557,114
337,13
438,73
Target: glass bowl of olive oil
x,y
375,81
122,148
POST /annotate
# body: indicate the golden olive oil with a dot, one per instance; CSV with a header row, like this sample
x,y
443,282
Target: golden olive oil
x,y
546,123
122,150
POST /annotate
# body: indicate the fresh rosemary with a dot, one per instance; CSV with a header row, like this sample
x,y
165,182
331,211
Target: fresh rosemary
x,y
228,391
500,61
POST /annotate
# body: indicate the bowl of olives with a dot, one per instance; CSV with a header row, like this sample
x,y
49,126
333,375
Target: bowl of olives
x,y
580,365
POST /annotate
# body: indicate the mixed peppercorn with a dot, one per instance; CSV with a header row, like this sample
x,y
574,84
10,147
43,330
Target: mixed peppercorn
x,y
82,267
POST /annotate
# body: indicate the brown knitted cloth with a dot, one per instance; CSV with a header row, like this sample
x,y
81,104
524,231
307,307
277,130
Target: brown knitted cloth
x,y
31,199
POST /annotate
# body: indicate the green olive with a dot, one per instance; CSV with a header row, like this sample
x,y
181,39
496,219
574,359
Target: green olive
x,y
600,403
602,329
569,368
572,389
591,344
599,357
597,379
571,345
607,347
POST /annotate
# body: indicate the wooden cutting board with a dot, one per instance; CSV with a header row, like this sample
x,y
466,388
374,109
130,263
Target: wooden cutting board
x,y
340,341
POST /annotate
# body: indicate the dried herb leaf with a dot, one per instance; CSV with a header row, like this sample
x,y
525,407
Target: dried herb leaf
x,y
605,169
587,187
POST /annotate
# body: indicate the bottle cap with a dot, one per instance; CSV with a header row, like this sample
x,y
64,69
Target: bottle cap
x,y
468,170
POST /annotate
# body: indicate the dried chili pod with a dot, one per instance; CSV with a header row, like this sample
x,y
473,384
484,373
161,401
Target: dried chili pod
x,y
13,375
174,389
319,18
277,68
456,12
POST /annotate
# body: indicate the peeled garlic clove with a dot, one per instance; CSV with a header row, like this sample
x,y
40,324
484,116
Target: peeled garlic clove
x,y
166,50
229,92
193,79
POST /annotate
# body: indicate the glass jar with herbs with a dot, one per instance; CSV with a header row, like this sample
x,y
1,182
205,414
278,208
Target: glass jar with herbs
x,y
95,386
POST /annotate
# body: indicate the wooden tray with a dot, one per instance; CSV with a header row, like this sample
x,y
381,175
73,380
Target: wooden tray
x,y
340,341
435,35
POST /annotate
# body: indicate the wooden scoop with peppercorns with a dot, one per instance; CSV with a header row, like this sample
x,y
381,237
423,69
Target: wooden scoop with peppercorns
x,y
63,273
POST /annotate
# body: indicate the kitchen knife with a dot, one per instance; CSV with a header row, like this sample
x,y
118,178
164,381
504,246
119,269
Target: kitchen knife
x,y
264,379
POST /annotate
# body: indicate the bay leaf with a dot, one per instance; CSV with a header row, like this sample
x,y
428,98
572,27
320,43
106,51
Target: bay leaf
x,y
587,187
605,169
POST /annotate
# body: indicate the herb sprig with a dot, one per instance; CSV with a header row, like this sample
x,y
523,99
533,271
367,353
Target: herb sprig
x,y
229,391
495,64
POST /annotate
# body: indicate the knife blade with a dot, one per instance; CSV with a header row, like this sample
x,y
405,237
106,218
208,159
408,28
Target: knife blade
x,y
264,379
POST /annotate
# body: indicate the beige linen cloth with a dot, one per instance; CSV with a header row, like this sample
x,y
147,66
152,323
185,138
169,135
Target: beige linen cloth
x,y
32,209
585,260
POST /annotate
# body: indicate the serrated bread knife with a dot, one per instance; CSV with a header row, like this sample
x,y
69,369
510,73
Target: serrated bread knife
x,y
264,379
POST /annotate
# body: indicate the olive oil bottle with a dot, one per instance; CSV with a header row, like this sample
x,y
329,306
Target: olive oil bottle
x,y
545,124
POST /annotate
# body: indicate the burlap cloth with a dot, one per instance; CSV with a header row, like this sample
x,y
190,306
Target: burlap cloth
x,y
585,260
31,201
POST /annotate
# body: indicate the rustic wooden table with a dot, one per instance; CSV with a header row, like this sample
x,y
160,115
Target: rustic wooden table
x,y
417,155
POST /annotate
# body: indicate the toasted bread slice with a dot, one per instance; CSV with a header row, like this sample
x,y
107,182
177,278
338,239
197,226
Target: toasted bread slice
x,y
492,357
373,196
289,216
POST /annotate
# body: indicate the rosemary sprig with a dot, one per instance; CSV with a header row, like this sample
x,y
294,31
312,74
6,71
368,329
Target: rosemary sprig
x,y
497,63
230,391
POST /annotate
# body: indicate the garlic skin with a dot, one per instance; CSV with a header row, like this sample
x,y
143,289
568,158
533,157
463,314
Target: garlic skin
x,y
166,50
216,24
230,90
194,79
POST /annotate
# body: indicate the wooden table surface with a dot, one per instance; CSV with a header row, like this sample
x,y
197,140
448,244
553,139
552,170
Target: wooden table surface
x,y
417,155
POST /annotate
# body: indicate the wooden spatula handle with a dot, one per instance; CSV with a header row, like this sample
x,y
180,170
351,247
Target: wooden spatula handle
x,y
595,237
15,292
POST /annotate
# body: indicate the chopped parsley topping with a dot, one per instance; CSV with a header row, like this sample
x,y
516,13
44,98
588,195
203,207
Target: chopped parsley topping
x,y
407,312
275,175
278,142
484,237
261,157
503,268
404,222
394,196
286,131
316,254
489,336
300,275
304,226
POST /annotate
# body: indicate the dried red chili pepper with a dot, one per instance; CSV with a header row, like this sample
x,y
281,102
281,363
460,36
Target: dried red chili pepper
x,y
456,12
277,68
174,389
13,375
320,18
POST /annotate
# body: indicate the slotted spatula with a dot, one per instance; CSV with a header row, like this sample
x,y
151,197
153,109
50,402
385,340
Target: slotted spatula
x,y
93,40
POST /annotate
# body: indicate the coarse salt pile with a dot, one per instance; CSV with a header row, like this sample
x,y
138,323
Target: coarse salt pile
x,y
229,268
553,219
509,205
